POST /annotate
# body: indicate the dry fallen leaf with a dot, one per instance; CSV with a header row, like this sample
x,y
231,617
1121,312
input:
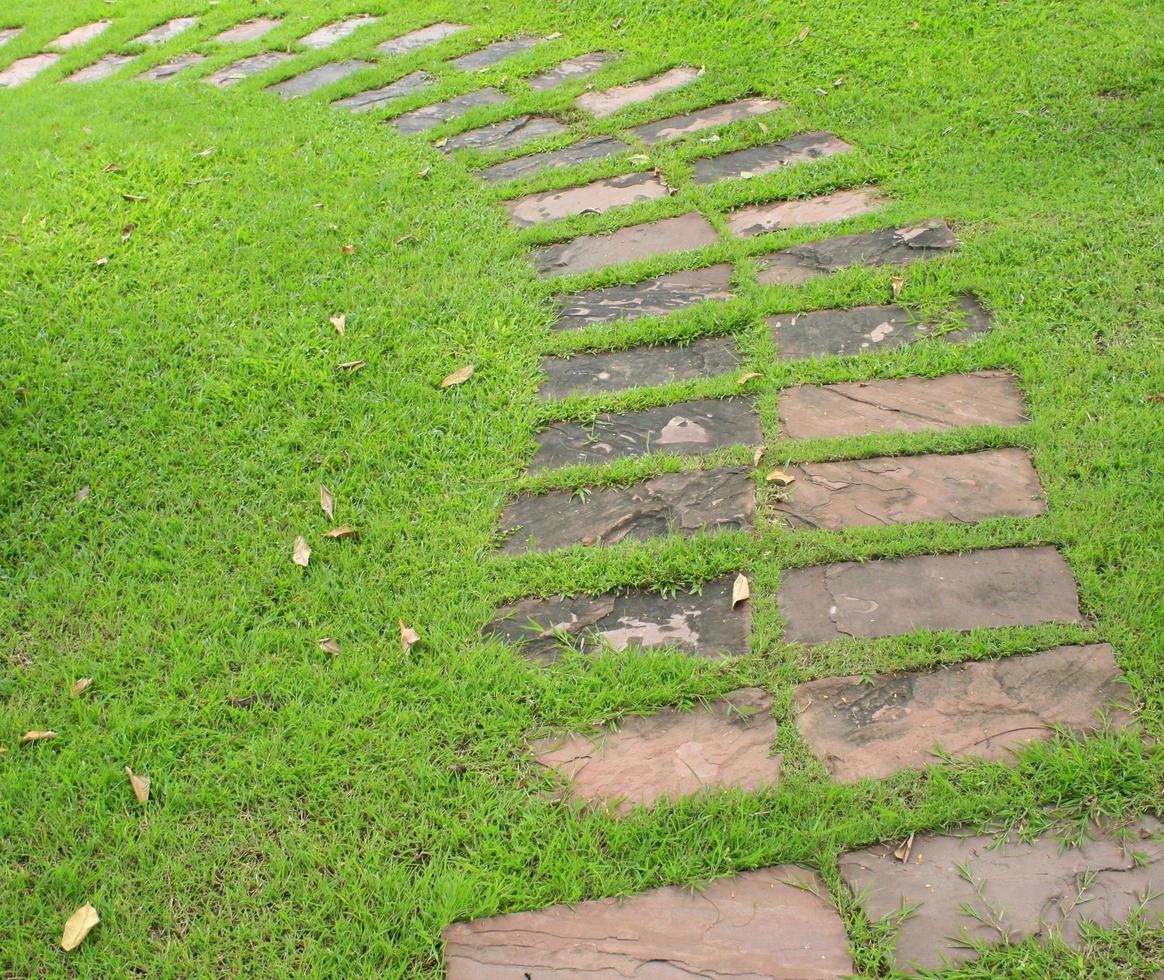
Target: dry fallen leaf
x,y
82,494
838,82
329,644
896,282
342,532
326,502
140,784
408,636
617,24
110,168
800,37
741,590
758,455
35,736
348,249
127,230
902,851
780,478
300,552
460,376
350,365
425,172
206,152
554,36
743,379
340,322
405,238
79,685
135,197
914,26
104,260
80,924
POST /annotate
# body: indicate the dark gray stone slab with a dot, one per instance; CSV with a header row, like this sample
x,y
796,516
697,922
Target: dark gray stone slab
x,y
684,504
640,367
430,116
26,69
612,99
317,78
80,35
594,198
508,134
371,99
582,66
756,160
248,30
101,69
165,32
10,34
167,70
889,246
421,38
329,34
674,127
759,219
687,231
974,590
594,148
494,53
246,67
651,297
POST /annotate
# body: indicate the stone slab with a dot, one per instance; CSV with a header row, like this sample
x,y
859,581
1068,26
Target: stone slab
x,y
987,709
640,367
168,69
589,252
888,246
973,590
508,134
673,127
859,408
248,30
246,67
594,198
80,35
756,160
759,219
371,99
420,38
10,34
329,34
651,297
101,69
972,886
702,625
494,54
612,99
317,78
430,116
582,66
593,148
684,504
775,923
669,755
26,69
165,32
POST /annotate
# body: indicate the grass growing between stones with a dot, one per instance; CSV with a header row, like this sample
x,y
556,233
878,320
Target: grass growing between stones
x,y
364,801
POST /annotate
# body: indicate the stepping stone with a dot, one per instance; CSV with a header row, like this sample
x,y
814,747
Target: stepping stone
x,y
703,625
329,34
594,148
317,78
430,116
494,53
651,297
167,70
248,30
583,66
80,35
640,367
687,429
165,32
101,69
968,886
759,219
860,408
673,127
422,38
681,234
757,160
775,923
508,134
974,590
595,198
418,81
26,69
612,99
246,67
845,333
987,709
10,34
671,754
674,503
889,246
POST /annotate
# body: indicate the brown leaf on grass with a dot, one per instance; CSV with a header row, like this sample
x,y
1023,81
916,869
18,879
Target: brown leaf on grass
x,y
340,322
838,82
127,230
554,36
617,24
800,37
758,455
111,168
348,249
741,590
743,379
300,551
327,502
350,366
135,197
408,636
340,533
82,494
35,736
425,172
901,852
460,376
780,478
405,238
896,282
21,394
79,686
206,152
104,260
140,784
78,926
329,644
914,26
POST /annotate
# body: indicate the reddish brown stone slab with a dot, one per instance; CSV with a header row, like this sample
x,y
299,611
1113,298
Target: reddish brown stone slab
x,y
969,886
430,116
10,34
757,160
373,98
651,297
26,69
858,408
421,38
246,67
166,32
662,130
869,729
494,54
80,35
772,924
612,99
582,66
248,30
508,134
759,219
687,231
594,148
317,78
639,367
101,69
329,34
593,198
684,504
974,590
168,69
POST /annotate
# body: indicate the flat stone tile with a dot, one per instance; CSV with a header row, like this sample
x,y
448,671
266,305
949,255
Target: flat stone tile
x,y
671,754
329,34
248,30
421,38
166,32
703,625
889,246
776,923
493,54
80,35
593,198
759,219
418,81
508,134
317,78
681,234
10,34
246,67
430,116
864,329
974,590
756,160
684,504
594,148
612,99
870,729
1015,890
640,367
167,70
101,69
858,408
582,66
673,127
651,297
26,69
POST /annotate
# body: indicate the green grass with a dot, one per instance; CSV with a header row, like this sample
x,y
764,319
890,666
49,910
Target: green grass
x,y
335,827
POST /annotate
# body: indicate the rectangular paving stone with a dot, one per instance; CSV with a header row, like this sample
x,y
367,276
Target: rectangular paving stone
x,y
421,38
974,590
651,297
888,246
593,198
859,408
612,99
10,34
168,69
246,67
329,34
248,30
165,32
662,130
775,923
101,69
508,134
418,81
681,234
594,148
582,66
641,367
759,219
26,69
430,116
702,625
80,35
684,504
317,78
493,54
966,886
756,160
987,709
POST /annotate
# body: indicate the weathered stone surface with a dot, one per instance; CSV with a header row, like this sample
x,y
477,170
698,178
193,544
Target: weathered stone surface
x,y
756,160
863,329
10,34
246,67
317,78
885,490
101,69
582,66
968,886
595,198
366,101
508,134
612,99
662,130
248,30
166,32
80,35
671,754
168,69
674,503
687,231
758,219
329,34
772,924
26,69
889,246
869,729
493,54
703,625
857,408
651,297
594,148
430,116
639,367
974,590
422,38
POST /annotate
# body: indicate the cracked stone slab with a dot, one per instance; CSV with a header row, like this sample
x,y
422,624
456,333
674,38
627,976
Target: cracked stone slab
x,y
317,78
430,116
329,34
80,35
494,54
612,99
888,246
24,70
889,597
594,148
756,160
582,66
858,408
640,367
971,886
759,219
508,134
248,30
594,198
10,34
166,32
684,504
168,69
101,69
702,625
421,38
986,709
673,127
370,99
589,252
246,67
776,923
651,297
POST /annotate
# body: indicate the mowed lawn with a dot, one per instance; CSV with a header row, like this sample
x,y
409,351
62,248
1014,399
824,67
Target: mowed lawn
x,y
170,402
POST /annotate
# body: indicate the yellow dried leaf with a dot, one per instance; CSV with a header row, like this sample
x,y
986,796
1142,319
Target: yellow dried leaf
x,y
300,552
111,168
617,24
838,82
135,197
405,238
35,736
79,925
348,249
896,282
82,494
800,37
206,152
326,502
758,455
350,366
914,26
329,644
340,322
140,784
342,532
460,376
79,686
425,172
104,260
127,230
741,590
780,478
743,379
902,851
408,636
